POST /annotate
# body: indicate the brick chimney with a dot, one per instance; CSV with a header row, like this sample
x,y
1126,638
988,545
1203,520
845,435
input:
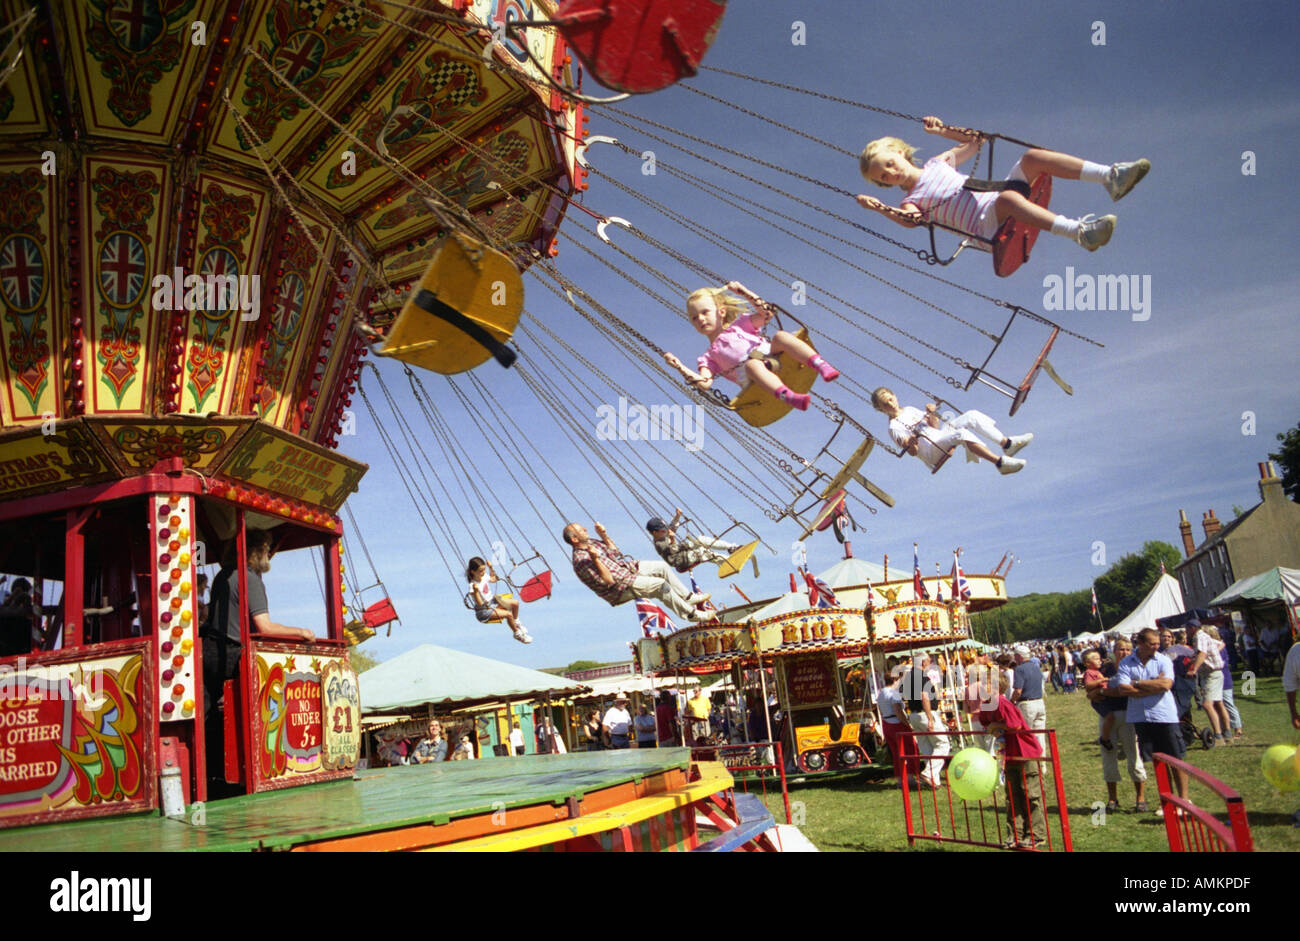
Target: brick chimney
x,y
1211,525
1270,485
1185,528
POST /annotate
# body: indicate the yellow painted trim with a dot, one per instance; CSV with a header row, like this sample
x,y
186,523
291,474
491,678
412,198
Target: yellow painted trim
x,y
714,778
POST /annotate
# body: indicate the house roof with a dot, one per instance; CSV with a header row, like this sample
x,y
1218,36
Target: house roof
x,y
1218,537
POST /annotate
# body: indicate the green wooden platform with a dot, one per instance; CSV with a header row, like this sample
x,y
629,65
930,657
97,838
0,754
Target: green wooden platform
x,y
378,799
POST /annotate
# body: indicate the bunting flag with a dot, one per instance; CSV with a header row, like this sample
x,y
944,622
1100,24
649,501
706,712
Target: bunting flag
x,y
960,587
652,616
918,587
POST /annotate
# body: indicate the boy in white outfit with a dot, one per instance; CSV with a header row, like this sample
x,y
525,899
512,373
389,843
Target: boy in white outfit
x,y
932,444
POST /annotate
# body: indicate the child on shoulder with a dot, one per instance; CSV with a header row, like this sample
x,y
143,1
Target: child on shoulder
x,y
936,192
927,436
737,348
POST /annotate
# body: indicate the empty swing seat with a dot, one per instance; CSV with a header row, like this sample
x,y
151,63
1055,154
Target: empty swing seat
x,y
379,613
536,588
757,406
736,561
463,312
638,46
1014,239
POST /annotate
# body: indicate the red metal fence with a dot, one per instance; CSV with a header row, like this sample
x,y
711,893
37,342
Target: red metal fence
x,y
1193,829
935,813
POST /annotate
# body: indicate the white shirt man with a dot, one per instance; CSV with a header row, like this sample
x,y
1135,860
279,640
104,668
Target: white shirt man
x,y
516,740
617,724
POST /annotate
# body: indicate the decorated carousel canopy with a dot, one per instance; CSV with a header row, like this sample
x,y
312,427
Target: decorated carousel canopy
x,y
149,262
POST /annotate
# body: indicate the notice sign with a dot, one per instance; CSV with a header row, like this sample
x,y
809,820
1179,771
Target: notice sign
x,y
810,681
73,736
342,716
34,725
287,465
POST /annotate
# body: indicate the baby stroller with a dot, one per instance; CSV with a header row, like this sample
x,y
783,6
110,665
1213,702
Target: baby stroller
x,y
1185,696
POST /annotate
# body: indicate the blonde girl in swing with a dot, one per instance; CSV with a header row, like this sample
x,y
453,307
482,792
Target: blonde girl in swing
x,y
733,318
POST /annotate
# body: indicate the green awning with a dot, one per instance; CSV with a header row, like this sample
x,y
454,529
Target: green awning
x,y
1275,585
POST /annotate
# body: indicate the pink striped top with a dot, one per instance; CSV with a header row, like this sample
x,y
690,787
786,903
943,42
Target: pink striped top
x,y
940,197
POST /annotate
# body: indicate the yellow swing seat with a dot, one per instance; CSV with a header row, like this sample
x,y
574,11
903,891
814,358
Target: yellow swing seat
x,y
733,563
463,312
356,631
469,603
757,406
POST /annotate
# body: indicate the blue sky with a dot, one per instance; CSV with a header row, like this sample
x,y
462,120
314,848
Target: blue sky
x,y
1156,420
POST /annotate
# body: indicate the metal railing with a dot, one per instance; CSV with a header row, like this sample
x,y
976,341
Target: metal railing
x,y
1193,829
949,819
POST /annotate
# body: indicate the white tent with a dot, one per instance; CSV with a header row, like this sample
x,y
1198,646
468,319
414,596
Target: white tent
x,y
852,572
1164,600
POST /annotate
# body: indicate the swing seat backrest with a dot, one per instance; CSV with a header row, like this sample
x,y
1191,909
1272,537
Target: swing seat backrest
x,y
536,588
943,454
757,406
379,613
1014,240
638,46
463,312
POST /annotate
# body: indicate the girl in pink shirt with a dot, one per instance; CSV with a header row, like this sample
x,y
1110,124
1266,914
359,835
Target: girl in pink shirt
x,y
737,346
938,193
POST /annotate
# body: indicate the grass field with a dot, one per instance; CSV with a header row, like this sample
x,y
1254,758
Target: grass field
x,y
865,812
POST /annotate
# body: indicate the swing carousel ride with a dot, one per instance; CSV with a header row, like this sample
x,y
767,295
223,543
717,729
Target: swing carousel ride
x,y
218,215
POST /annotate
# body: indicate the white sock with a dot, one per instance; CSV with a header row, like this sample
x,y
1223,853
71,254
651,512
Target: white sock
x,y
1094,172
1069,228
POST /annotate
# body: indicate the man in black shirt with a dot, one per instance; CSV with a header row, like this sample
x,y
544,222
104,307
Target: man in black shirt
x,y
221,635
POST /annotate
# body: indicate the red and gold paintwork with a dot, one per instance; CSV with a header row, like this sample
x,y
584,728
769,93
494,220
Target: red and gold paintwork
x,y
130,424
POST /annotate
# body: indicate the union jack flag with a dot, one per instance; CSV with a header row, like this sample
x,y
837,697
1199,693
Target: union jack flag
x,y
820,594
695,589
960,587
652,616
919,590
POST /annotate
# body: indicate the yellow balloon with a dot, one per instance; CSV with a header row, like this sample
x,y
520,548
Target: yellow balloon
x,y
1281,767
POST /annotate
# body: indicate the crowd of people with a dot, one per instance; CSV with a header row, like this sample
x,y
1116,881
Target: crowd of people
x,y
1149,692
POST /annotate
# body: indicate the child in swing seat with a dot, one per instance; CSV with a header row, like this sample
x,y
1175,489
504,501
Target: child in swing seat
x,y
936,192
737,348
488,606
931,446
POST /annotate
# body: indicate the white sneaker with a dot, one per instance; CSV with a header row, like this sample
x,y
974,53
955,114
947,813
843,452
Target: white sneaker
x,y
699,598
1124,176
702,615
1094,233
1010,465
523,636
1017,444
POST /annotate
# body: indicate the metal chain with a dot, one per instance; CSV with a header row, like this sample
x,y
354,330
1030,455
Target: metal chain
x,y
762,117
921,254
737,252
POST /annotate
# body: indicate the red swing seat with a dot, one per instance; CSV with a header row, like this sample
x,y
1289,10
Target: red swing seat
x,y
536,588
1014,239
638,46
379,613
